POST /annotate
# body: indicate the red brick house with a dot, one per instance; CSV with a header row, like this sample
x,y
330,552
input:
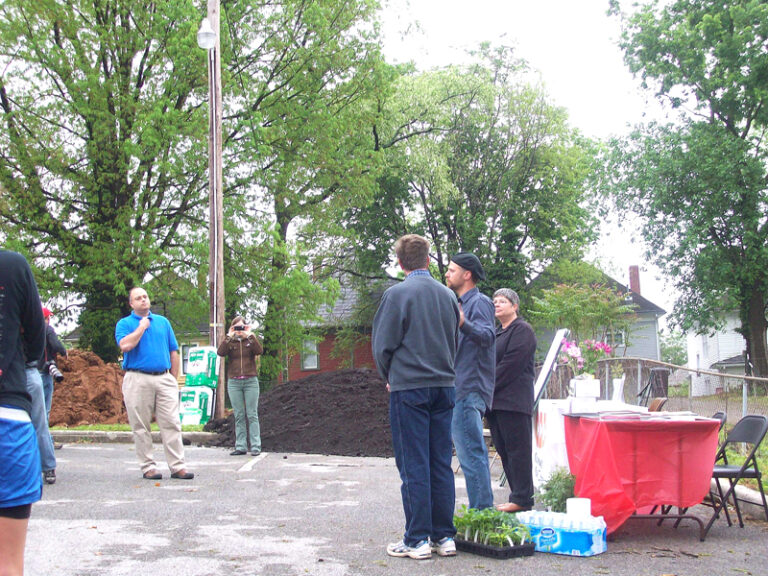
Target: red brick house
x,y
353,313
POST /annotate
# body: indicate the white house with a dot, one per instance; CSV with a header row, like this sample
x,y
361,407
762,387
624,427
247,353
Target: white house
x,y
722,351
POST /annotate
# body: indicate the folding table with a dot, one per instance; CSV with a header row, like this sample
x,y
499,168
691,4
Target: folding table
x,y
626,463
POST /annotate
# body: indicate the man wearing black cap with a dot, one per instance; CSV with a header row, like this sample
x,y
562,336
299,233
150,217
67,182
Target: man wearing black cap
x,y
475,375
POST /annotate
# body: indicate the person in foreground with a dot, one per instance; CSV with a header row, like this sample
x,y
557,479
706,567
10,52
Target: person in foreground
x,y
415,335
151,363
475,373
242,350
22,329
510,418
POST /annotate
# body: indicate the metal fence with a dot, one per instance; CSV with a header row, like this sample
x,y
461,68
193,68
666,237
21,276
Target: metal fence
x,y
645,379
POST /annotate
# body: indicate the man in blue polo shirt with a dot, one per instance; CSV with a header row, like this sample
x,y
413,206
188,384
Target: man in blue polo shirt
x,y
151,363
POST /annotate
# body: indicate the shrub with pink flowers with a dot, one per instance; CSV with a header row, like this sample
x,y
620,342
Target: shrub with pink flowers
x,y
582,357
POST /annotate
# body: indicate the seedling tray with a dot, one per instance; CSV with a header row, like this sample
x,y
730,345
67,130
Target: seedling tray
x,y
480,549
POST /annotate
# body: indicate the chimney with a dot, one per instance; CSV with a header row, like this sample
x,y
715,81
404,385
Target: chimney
x,y
634,279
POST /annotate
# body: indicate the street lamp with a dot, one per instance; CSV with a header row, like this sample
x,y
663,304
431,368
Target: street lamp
x,y
208,39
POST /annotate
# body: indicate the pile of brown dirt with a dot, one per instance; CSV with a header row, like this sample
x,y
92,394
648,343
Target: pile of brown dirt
x,y
345,413
90,392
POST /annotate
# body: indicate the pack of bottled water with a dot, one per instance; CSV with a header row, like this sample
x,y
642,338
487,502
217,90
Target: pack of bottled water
x,y
559,533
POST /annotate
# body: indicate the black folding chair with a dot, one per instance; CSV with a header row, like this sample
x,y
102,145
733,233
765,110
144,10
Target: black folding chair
x,y
749,430
722,417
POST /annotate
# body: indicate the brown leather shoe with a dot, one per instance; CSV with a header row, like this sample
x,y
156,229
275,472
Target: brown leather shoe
x,y
512,507
152,474
183,475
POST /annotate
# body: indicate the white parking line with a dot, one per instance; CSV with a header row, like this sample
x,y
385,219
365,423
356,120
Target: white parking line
x,y
248,466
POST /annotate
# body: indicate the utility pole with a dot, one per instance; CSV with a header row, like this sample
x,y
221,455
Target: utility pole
x,y
208,38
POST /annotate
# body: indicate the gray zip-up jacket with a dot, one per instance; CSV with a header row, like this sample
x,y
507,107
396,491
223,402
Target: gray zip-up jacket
x,y
415,334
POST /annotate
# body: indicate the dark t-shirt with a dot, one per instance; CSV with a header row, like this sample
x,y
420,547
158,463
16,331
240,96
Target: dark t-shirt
x,y
22,328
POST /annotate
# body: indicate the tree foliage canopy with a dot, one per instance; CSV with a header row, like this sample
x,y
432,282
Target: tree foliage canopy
x,y
299,130
582,302
489,166
700,185
101,160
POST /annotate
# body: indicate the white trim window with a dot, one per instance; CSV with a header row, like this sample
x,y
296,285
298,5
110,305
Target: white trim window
x,y
309,357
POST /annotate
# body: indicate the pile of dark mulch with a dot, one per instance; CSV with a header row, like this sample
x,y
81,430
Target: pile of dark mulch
x,y
345,413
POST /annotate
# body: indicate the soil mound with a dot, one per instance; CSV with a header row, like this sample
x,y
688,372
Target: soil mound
x,y
345,413
91,392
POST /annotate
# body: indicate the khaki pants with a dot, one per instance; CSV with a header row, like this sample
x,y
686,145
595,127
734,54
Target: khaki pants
x,y
144,395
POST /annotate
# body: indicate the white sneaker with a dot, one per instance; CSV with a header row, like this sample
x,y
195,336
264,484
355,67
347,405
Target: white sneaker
x,y
421,551
444,547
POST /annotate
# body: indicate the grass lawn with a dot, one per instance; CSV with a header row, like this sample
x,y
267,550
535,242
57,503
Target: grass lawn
x,y
735,457
125,427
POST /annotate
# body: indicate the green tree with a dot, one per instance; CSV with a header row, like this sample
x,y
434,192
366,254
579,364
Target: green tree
x,y
481,161
101,156
674,348
589,311
700,185
300,132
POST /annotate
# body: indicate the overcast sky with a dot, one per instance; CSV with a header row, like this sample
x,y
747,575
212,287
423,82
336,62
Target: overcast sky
x,y
573,46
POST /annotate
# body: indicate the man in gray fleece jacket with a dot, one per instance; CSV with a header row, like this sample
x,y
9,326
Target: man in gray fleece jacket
x,y
415,335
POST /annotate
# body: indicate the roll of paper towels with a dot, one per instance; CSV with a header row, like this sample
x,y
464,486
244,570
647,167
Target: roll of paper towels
x,y
578,507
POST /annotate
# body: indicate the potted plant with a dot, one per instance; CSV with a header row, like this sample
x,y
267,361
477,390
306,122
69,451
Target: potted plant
x,y
554,493
492,533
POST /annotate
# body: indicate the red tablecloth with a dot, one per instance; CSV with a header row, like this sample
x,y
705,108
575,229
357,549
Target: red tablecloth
x,y
624,464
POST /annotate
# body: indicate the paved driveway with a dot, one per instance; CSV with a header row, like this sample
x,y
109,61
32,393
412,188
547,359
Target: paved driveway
x,y
298,514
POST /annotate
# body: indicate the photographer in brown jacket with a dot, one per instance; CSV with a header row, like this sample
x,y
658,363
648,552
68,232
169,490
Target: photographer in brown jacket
x,y
242,350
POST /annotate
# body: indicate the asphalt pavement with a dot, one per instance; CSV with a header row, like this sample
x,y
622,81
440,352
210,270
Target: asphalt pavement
x,y
298,514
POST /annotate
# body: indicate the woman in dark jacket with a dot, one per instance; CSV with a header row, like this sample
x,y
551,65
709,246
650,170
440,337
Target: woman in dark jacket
x,y
511,413
242,350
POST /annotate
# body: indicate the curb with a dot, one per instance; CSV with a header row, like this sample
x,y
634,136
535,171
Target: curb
x,y
750,502
94,436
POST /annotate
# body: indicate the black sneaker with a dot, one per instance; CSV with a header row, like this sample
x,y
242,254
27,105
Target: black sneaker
x,y
237,452
49,476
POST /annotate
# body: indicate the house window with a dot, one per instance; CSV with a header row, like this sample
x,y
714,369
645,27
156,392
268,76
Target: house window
x,y
309,359
615,339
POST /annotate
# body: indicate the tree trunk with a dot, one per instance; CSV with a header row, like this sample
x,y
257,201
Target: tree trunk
x,y
272,359
97,322
756,333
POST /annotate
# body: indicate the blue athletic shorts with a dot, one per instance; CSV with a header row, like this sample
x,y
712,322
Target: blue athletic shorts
x,y
21,479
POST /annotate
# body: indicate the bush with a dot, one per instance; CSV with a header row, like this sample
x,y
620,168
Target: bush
x,y
556,490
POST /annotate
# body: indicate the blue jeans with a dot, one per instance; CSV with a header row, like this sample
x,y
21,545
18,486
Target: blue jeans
x,y
467,431
244,397
40,419
47,391
421,437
